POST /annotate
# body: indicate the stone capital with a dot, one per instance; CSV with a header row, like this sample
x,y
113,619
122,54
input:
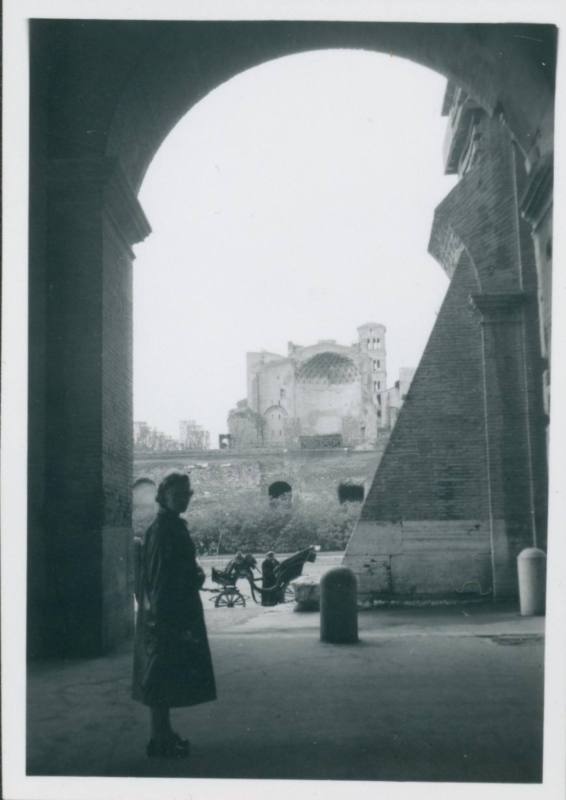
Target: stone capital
x,y
499,307
91,184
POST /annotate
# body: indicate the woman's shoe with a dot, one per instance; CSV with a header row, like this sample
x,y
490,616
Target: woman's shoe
x,y
175,747
181,742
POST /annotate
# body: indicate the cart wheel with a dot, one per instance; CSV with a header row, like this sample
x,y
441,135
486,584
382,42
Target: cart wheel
x,y
221,600
240,600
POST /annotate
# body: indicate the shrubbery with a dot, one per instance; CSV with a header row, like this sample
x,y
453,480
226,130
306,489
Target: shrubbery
x,y
253,524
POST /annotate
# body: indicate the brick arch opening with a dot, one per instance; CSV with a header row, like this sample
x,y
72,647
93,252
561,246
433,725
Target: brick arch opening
x,y
143,482
143,492
144,505
351,493
281,492
88,159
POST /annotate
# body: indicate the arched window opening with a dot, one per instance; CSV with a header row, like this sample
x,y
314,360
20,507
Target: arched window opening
x,y
143,504
140,482
350,493
143,491
280,493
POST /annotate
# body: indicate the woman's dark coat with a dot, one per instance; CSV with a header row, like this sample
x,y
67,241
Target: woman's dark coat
x,y
172,663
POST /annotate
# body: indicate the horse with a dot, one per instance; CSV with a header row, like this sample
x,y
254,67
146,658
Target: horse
x,y
285,572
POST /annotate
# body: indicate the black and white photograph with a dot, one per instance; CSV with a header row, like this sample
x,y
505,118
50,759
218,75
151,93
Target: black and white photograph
x,y
283,400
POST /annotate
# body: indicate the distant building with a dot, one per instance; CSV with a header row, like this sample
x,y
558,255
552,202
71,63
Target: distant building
x,y
192,436
146,438
393,398
141,432
321,395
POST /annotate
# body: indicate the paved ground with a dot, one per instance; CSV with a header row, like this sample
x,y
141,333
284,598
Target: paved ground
x,y
441,694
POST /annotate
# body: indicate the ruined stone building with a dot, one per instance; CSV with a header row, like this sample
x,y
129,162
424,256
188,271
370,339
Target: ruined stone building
x,y
391,400
192,436
321,395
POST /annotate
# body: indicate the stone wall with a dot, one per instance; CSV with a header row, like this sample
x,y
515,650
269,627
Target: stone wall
x,y
216,475
423,526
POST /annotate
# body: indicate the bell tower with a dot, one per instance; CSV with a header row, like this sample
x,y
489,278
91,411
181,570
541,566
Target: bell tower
x,y
373,366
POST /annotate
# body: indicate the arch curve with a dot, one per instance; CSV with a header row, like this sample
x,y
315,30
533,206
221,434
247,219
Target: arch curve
x,y
171,66
144,481
280,490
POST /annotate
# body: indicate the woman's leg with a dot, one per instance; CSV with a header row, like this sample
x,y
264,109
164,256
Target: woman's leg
x,y
160,724
164,741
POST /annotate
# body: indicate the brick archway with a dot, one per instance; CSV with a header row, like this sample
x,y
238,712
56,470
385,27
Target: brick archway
x,y
104,95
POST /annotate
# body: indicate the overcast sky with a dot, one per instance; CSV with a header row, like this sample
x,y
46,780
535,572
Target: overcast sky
x,y
294,202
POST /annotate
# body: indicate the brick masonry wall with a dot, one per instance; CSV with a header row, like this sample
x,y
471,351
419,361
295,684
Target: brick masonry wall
x,y
73,491
534,363
117,411
481,212
434,465
216,475
455,454
84,506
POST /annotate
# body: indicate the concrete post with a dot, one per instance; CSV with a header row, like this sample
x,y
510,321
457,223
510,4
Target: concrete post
x,y
531,567
338,606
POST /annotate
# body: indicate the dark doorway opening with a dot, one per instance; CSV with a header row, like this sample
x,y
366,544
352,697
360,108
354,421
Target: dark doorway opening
x,y
280,491
350,493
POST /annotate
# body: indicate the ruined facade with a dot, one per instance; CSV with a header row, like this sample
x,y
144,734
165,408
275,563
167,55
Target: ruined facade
x,y
326,394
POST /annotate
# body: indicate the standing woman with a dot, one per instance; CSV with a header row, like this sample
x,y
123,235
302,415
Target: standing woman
x,y
172,663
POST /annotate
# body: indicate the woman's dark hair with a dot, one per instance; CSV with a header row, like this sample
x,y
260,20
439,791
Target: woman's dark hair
x,y
168,481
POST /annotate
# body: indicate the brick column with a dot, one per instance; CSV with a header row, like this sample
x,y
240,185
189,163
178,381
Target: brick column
x,y
510,479
536,209
93,219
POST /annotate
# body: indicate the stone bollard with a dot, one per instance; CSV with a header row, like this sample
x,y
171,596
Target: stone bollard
x,y
531,567
338,606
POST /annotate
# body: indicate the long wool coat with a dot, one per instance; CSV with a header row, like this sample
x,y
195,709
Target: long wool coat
x,y
172,663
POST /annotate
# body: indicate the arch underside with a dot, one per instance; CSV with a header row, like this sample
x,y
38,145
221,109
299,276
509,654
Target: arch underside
x,y
154,72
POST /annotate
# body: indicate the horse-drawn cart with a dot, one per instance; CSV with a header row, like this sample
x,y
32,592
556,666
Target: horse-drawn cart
x,y
245,567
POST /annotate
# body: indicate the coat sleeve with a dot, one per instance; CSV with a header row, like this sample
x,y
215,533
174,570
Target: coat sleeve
x,y
160,577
